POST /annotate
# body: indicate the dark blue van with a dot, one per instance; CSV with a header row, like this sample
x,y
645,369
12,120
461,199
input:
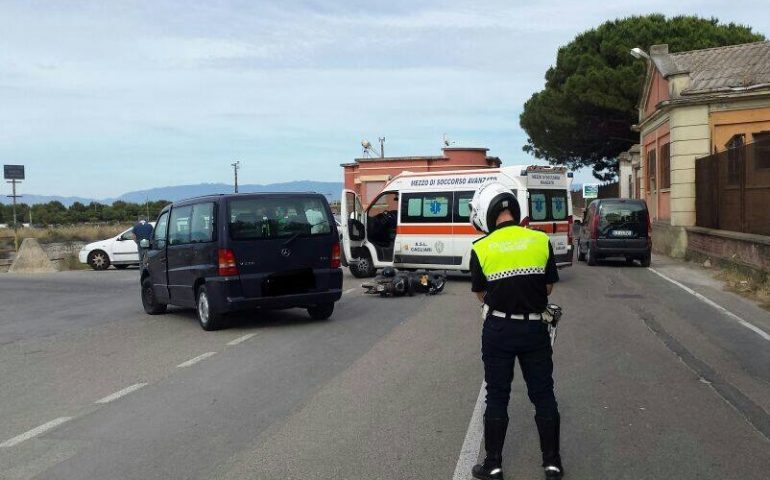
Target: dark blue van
x,y
226,253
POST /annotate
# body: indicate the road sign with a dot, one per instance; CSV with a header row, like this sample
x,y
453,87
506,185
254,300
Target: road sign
x,y
13,172
590,190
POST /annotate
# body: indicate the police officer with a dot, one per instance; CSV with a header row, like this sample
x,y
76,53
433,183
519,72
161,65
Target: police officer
x,y
513,271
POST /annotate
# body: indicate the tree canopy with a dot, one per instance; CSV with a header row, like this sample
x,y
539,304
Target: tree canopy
x,y
55,213
583,116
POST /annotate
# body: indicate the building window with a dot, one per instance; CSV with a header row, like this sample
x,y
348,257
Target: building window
x,y
762,150
734,159
651,157
665,165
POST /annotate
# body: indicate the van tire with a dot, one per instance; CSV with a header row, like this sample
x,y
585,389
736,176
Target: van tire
x,y
321,312
208,320
647,259
149,301
590,257
363,267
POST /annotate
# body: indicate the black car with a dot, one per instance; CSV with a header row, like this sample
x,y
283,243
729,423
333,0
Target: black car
x,y
615,227
226,253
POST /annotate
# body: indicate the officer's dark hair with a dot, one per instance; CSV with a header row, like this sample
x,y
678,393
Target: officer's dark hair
x,y
504,201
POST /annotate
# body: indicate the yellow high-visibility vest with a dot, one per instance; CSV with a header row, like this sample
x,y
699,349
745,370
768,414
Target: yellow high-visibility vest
x,y
512,251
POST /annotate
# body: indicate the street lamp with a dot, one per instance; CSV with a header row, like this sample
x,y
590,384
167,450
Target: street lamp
x,y
637,52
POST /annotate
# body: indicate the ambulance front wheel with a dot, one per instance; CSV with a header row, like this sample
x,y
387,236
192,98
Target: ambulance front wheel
x,y
363,267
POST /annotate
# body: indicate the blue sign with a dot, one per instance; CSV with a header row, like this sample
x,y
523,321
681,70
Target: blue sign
x,y
539,204
435,207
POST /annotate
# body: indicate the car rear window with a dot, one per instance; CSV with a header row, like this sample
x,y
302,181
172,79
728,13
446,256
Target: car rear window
x,y
616,213
277,217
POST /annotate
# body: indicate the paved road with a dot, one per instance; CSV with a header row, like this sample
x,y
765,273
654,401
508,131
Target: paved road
x,y
652,383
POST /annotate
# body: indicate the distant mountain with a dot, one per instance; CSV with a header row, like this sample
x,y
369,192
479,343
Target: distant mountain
x,y
332,191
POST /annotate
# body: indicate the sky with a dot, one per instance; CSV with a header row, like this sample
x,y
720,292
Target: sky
x,y
104,97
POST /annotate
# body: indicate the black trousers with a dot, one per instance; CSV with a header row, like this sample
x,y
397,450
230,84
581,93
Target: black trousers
x,y
502,341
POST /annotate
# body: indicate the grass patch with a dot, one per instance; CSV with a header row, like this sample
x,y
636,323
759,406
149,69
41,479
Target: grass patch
x,y
71,233
72,262
753,286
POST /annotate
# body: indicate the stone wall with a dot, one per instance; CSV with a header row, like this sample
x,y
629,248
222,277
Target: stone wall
x,y
62,249
740,249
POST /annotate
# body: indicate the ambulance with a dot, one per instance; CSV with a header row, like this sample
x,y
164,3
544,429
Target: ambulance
x,y
422,220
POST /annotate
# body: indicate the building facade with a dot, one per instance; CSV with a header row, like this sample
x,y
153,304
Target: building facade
x,y
367,176
694,104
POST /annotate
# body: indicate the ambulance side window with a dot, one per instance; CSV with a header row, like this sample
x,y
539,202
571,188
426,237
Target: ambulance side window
x,y
428,207
462,209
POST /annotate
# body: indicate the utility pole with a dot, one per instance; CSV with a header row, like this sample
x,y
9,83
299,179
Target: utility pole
x,y
382,147
13,174
236,166
15,223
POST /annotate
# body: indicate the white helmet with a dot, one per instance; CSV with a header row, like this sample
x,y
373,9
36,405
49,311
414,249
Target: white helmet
x,y
487,203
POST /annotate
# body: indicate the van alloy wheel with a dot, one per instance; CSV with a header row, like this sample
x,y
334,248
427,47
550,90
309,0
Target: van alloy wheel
x,y
208,319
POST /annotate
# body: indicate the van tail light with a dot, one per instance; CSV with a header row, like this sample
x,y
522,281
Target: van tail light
x,y
524,222
649,230
595,225
570,221
336,259
227,264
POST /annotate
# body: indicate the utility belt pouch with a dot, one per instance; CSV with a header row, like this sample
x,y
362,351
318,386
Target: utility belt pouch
x,y
552,314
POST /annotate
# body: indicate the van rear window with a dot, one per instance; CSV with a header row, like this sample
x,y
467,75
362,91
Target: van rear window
x,y
613,213
277,217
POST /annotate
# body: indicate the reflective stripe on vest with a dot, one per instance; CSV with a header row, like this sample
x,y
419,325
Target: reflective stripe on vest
x,y
512,251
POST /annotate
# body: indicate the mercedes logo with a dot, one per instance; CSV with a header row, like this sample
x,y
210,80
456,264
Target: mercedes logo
x,y
285,252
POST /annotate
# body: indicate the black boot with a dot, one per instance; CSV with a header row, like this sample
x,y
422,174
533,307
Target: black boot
x,y
548,428
494,438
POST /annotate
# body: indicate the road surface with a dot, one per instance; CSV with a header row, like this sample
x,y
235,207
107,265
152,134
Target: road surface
x,y
652,381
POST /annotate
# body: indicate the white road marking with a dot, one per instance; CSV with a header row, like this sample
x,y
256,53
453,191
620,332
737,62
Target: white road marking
x,y
34,432
469,453
241,339
349,290
121,393
722,309
195,360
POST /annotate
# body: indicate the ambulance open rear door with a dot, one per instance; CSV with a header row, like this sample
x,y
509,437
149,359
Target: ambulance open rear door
x,y
352,224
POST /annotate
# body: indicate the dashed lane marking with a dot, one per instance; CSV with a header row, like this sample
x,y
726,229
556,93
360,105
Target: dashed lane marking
x,y
121,393
241,339
195,360
719,307
34,432
469,452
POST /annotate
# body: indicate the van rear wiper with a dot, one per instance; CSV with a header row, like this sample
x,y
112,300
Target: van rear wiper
x,y
291,239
